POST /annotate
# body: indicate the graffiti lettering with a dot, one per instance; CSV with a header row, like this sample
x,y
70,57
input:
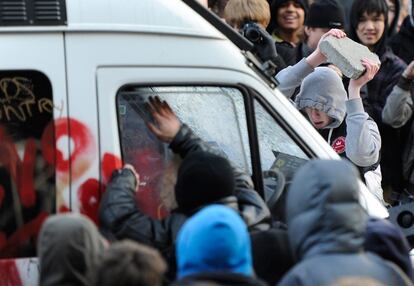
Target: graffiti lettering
x,y
45,104
18,101
16,88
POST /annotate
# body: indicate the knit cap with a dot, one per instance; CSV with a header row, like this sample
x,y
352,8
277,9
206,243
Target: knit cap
x,y
326,14
203,178
215,239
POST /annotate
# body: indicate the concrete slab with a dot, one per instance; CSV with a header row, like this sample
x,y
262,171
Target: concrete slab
x,y
346,54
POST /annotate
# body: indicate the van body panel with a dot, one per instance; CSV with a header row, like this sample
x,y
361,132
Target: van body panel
x,y
162,16
105,47
27,54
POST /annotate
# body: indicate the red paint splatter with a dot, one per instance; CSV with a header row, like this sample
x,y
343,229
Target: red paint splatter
x,y
63,209
26,173
89,197
150,167
89,193
48,143
23,235
9,274
110,163
22,172
82,151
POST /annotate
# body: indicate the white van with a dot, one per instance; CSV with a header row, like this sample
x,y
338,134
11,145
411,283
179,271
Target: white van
x,y
73,79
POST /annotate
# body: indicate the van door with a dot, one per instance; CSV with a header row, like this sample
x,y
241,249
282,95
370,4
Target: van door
x,y
218,110
34,175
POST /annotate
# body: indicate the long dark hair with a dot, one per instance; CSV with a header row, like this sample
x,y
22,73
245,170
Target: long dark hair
x,y
359,7
394,24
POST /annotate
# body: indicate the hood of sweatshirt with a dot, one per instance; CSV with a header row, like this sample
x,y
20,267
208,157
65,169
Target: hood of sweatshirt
x,y
214,240
68,247
323,211
323,90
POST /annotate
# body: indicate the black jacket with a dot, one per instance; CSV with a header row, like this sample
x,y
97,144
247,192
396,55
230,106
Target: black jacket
x,y
219,279
402,44
120,215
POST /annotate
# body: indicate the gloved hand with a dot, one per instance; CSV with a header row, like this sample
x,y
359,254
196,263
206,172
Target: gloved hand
x,y
264,45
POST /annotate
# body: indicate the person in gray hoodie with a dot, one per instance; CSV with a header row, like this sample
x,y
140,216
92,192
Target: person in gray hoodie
x,y
339,117
326,226
69,247
398,113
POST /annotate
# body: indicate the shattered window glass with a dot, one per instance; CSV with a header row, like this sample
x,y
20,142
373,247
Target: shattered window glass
x,y
216,114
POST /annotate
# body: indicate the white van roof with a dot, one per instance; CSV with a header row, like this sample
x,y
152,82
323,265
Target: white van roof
x,y
166,17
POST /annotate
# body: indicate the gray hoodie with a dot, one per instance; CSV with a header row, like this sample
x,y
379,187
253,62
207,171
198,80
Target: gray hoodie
x,y
68,247
322,89
327,226
398,108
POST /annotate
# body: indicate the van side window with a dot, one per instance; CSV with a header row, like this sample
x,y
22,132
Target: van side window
x,y
216,114
27,160
280,157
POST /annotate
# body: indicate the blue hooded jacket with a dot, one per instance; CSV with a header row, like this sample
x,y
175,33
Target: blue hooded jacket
x,y
214,240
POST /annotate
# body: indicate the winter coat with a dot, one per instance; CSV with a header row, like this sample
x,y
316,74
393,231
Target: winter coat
x,y
326,226
120,215
295,54
389,242
69,247
397,113
271,268
402,44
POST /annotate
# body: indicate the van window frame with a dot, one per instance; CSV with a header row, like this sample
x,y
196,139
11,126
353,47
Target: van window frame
x,y
249,96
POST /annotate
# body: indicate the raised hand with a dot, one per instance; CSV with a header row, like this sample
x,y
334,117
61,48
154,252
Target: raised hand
x,y
356,84
371,69
317,58
166,124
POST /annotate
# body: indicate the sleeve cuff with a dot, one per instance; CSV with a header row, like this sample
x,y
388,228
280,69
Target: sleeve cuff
x,y
354,106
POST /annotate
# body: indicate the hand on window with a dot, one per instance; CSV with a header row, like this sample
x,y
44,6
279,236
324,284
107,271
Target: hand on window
x,y
132,169
166,124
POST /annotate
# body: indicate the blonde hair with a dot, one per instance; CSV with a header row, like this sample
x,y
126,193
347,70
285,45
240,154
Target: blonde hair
x,y
237,12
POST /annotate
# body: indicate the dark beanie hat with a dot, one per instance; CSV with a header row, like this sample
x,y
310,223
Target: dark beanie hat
x,y
326,14
203,178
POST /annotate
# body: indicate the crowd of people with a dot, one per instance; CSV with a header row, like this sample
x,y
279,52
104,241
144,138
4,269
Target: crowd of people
x,y
222,232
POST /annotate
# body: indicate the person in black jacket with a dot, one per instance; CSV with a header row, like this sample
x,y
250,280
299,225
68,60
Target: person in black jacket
x,y
402,43
203,178
369,26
